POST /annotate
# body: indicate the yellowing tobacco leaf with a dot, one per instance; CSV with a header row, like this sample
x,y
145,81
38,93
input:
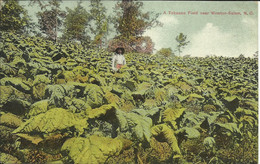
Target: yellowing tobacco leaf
x,y
97,112
93,149
171,115
37,108
53,120
167,134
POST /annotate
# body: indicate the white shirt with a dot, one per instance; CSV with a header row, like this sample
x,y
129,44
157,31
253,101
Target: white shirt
x,y
118,59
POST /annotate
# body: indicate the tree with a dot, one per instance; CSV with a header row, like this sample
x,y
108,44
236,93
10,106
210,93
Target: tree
x,y
50,20
142,45
13,17
99,27
130,22
116,42
242,56
181,39
167,52
75,23
1,4
41,3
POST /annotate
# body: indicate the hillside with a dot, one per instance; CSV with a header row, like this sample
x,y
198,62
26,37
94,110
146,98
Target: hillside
x,y
61,102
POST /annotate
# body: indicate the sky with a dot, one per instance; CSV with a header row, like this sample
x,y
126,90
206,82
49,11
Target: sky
x,y
233,31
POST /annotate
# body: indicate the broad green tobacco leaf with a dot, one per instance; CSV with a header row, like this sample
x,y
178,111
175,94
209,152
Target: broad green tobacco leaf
x,y
150,103
55,67
71,64
10,120
127,96
146,113
191,119
141,90
183,86
97,112
130,84
227,128
98,79
137,124
16,83
76,105
143,78
38,91
6,69
18,61
34,65
196,96
53,120
56,93
171,115
141,68
117,89
9,92
229,116
80,70
230,98
190,133
58,56
231,102
217,103
39,70
124,75
21,72
79,60
33,139
212,116
171,92
93,149
181,98
155,73
94,95
248,120
37,108
163,133
160,95
252,104
67,75
43,60
112,98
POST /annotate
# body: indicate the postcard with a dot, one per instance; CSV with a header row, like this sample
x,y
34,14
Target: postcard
x,y
128,81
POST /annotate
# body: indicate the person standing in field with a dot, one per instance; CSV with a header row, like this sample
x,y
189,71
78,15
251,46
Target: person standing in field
x,y
118,59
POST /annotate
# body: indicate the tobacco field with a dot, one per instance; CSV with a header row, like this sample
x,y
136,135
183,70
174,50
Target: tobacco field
x,y
61,103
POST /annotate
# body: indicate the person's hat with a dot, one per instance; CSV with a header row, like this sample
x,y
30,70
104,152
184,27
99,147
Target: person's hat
x,y
120,48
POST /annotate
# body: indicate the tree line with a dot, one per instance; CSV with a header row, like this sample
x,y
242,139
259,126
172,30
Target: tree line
x,y
89,27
